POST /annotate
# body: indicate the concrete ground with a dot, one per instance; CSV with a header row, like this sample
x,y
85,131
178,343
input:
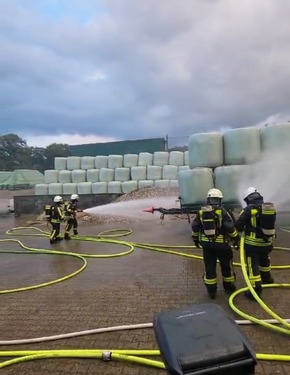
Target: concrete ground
x,y
117,291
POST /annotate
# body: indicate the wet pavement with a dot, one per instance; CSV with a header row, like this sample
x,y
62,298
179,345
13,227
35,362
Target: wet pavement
x,y
115,291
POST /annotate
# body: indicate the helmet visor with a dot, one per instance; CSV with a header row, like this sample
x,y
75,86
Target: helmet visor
x,y
214,201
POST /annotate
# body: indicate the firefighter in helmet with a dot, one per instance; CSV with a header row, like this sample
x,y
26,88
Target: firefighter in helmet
x,y
213,229
56,217
256,216
71,210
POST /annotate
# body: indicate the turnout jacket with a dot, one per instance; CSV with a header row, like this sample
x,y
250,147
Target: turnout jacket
x,y
71,209
225,229
56,213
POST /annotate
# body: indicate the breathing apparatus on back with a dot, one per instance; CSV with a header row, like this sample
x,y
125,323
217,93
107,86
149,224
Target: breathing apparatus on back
x,y
211,214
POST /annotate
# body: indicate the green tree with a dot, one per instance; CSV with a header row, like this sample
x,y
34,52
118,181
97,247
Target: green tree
x,y
14,153
55,150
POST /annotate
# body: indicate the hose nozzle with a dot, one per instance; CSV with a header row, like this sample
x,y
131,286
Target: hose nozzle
x,y
150,210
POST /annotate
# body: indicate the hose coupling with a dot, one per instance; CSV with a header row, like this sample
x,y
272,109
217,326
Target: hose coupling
x,y
106,356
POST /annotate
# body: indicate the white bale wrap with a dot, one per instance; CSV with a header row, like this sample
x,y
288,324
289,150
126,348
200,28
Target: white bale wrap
x,y
122,174
143,184
186,158
115,161
73,162
138,173
176,158
87,162
130,160
99,187
232,180
206,150
55,188
106,174
169,172
60,163
174,183
128,186
160,158
145,158
101,161
78,175
161,184
114,187
70,188
194,185
276,138
51,176
84,188
242,146
64,176
41,189
154,172
183,168
93,175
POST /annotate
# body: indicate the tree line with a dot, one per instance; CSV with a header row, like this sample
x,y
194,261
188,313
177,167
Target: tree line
x,y
16,154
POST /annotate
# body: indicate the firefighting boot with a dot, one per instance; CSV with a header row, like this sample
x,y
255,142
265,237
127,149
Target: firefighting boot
x,y
229,289
75,232
267,280
67,236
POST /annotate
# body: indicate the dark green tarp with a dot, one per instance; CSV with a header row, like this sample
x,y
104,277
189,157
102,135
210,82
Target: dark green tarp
x,y
22,179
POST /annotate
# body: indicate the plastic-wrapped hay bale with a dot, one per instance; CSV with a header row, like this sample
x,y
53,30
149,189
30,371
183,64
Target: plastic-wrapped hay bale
x,y
87,162
176,158
50,176
114,187
55,188
242,146
160,158
115,161
69,188
64,176
145,158
122,174
130,160
276,137
142,184
93,175
41,189
183,168
169,172
232,180
84,188
174,183
162,184
128,186
73,162
194,185
106,174
99,187
101,161
206,150
186,158
60,163
154,172
78,175
138,173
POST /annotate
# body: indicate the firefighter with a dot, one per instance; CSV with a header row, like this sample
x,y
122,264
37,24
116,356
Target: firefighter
x,y
56,217
71,211
213,229
258,244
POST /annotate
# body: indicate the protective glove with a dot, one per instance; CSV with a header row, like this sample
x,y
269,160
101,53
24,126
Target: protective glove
x,y
196,242
236,242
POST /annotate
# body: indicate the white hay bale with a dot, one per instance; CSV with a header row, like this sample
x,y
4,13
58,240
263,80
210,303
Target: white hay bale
x,y
87,162
145,158
69,188
84,188
115,161
41,189
93,175
186,158
55,188
206,150
78,175
276,138
60,163
154,172
174,183
160,158
50,176
101,161
128,186
64,176
130,160
142,184
169,172
162,184
122,174
183,168
138,173
73,162
176,158
99,187
114,187
106,174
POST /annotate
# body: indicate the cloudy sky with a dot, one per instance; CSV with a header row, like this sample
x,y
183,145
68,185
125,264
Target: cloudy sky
x,y
80,71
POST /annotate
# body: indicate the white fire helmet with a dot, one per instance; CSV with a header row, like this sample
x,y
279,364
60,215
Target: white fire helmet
x,y
74,197
250,191
57,199
215,193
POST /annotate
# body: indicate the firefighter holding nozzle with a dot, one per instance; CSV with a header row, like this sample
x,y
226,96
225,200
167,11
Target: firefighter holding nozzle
x,y
213,229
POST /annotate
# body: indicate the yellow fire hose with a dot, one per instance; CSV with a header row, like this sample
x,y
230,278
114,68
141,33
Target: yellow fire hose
x,y
129,355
